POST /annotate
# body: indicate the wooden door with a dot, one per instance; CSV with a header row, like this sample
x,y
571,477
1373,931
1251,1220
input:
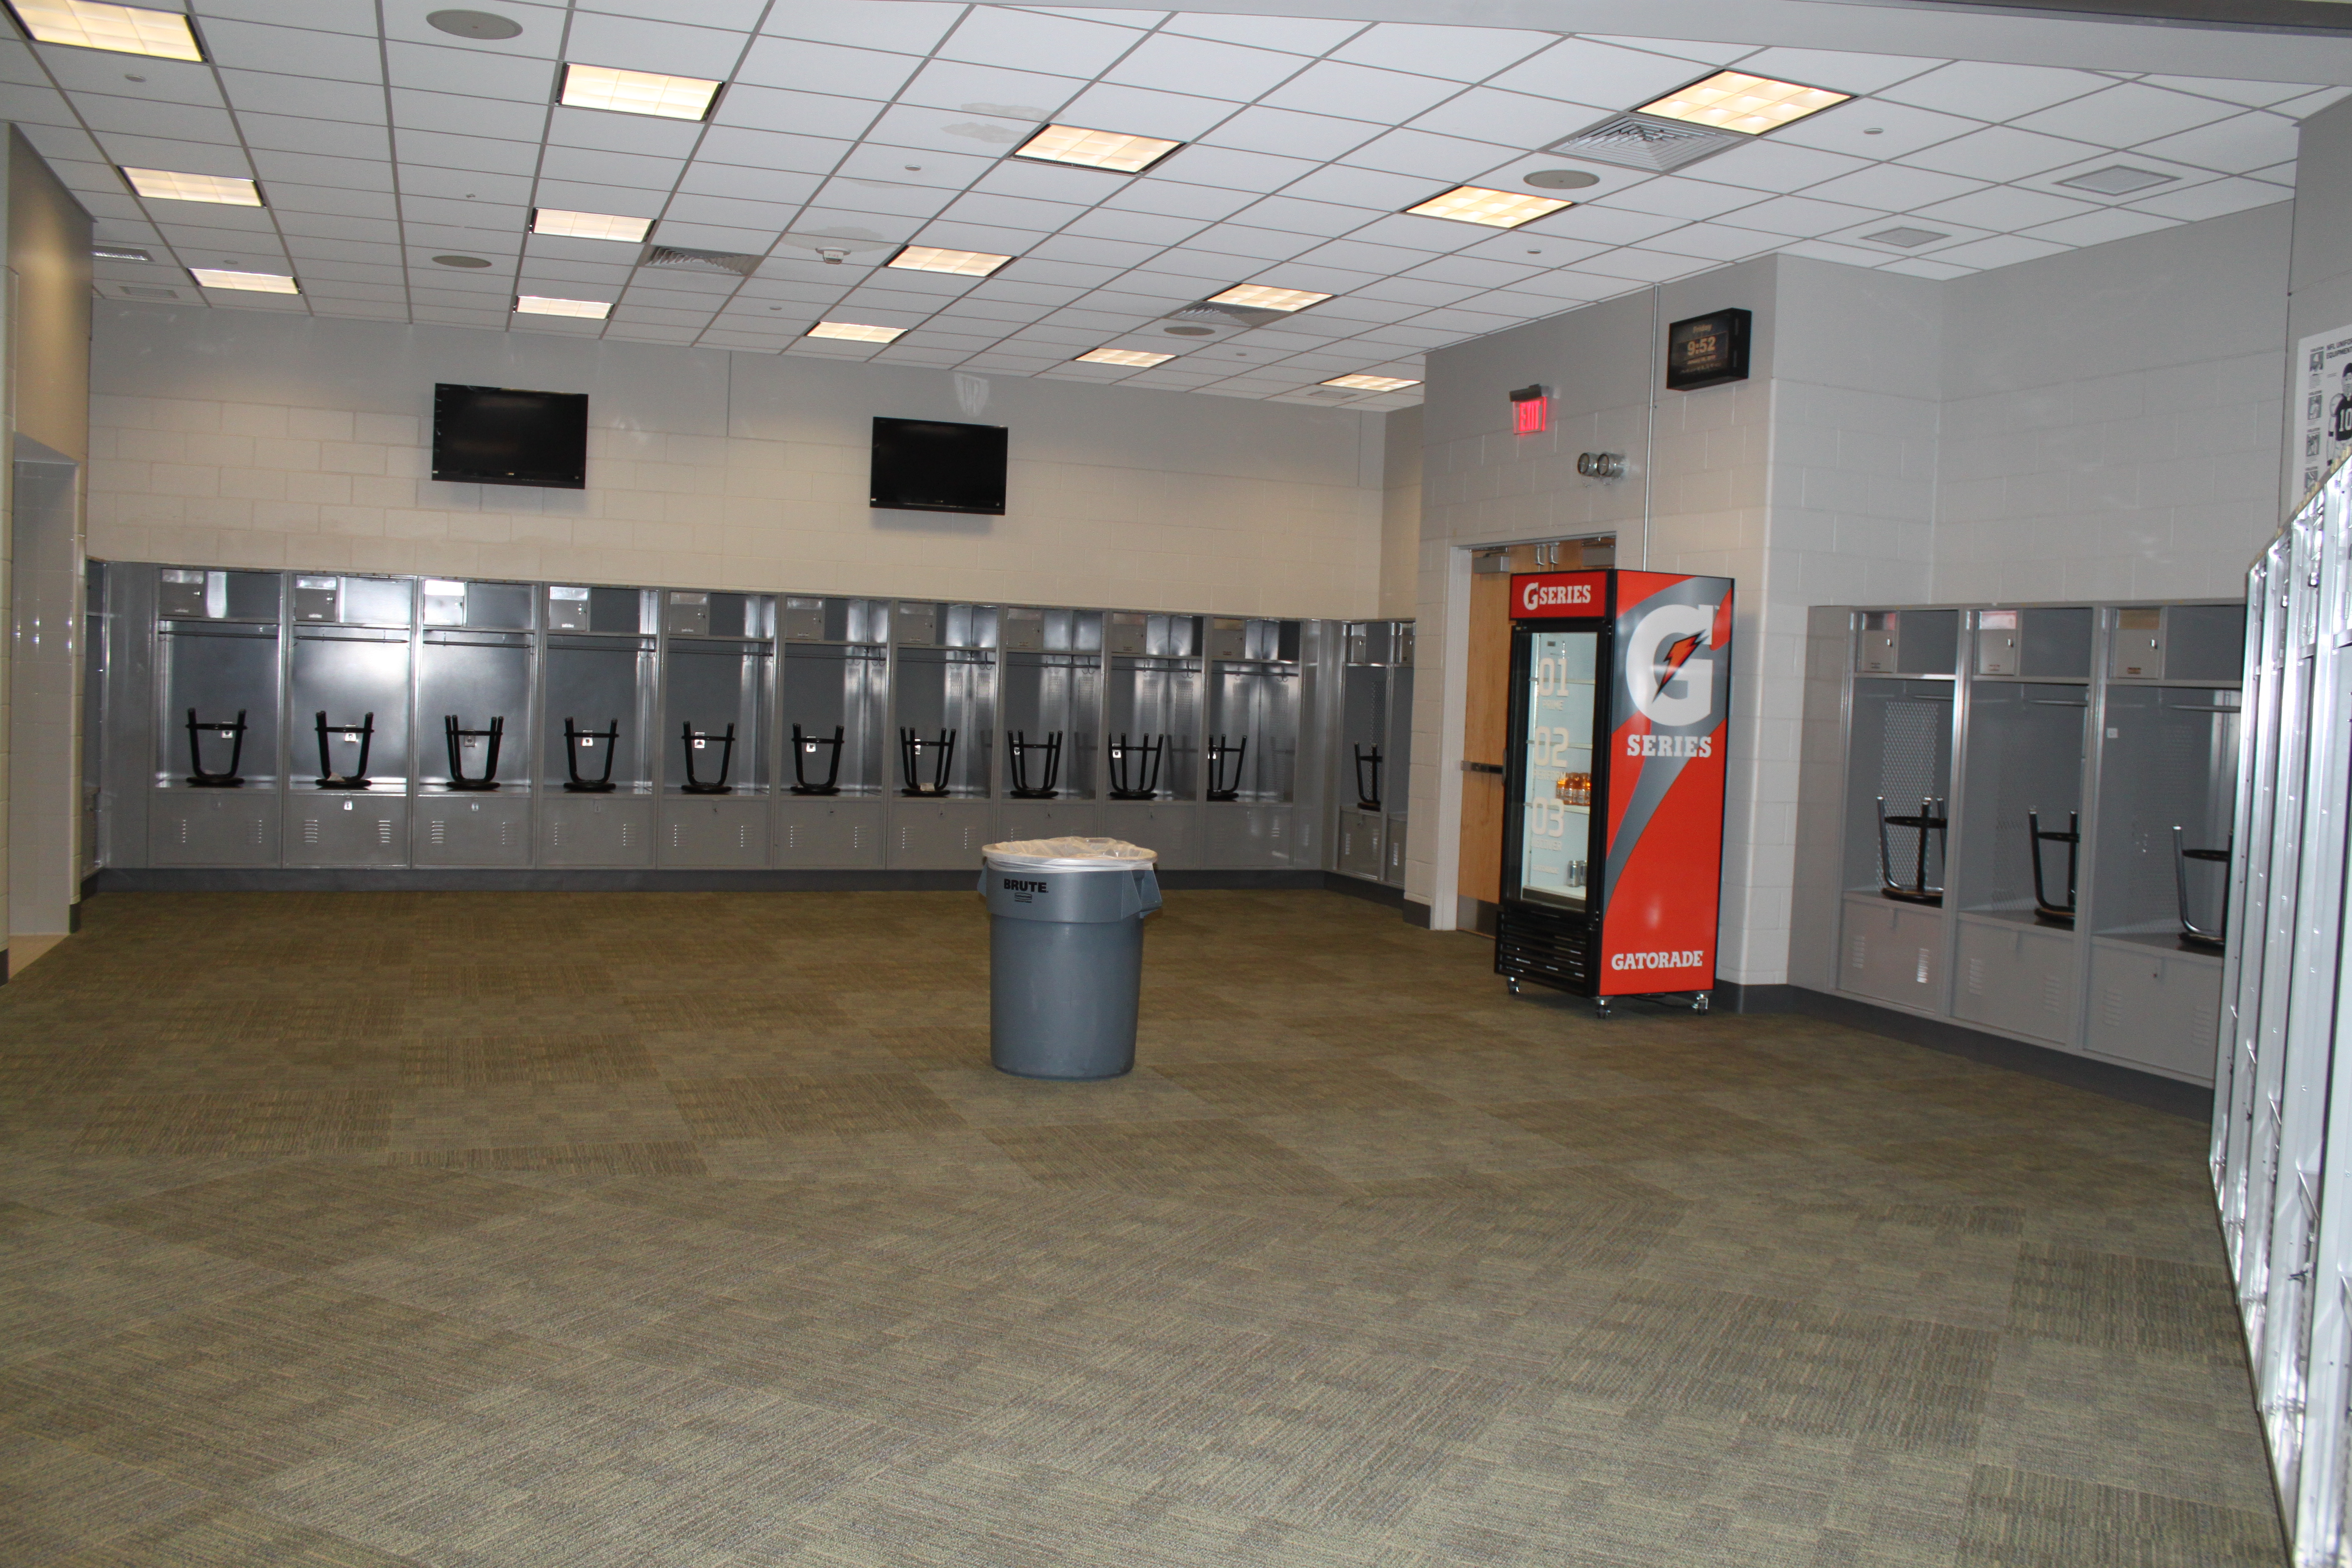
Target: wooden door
x,y
1486,736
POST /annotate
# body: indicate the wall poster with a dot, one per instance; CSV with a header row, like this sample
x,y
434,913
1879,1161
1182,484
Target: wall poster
x,y
2323,410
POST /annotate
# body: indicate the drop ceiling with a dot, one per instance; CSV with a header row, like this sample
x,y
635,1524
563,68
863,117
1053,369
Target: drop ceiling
x,y
857,127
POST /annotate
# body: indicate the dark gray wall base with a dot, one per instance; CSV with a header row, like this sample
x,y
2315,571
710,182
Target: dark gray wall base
x,y
2166,1094
212,879
1416,914
1370,892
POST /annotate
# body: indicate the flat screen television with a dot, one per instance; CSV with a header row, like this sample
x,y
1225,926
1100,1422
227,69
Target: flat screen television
x,y
501,436
930,465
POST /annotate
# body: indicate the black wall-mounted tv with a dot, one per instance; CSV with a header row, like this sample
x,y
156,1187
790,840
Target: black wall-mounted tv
x,y
499,435
929,464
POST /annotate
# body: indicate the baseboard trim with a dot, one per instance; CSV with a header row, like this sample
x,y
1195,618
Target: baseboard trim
x,y
414,879
1370,892
1418,914
2169,1094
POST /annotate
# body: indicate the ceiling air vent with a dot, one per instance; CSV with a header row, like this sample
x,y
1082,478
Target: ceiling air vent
x,y
733,261
147,292
1209,315
1638,141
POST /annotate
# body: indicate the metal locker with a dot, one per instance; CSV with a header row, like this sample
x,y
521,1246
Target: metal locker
x,y
801,620
714,833
937,834
1360,844
1047,819
1172,828
1392,844
843,834
687,614
335,827
2138,651
2016,977
472,830
1997,642
1243,837
1893,953
597,830
2155,1008
213,828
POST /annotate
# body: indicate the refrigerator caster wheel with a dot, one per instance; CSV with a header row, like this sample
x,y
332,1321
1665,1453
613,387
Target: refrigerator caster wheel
x,y
1601,1007
1513,984
1700,1003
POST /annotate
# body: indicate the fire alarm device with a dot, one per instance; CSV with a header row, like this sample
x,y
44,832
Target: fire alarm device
x,y
1707,351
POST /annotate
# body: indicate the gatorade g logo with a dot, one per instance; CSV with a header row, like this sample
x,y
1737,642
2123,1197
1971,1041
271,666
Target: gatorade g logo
x,y
1671,678
1538,597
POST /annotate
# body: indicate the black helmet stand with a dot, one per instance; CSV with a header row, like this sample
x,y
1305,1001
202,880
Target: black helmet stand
x,y
1931,819
1135,767
1023,749
804,746
364,734
912,747
457,738
1222,784
2202,939
695,741
203,778
575,741
2045,910
1368,796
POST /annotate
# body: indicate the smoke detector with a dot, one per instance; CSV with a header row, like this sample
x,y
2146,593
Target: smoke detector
x,y
1643,142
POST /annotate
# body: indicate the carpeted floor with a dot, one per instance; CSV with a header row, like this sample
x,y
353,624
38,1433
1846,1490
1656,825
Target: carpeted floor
x,y
523,1229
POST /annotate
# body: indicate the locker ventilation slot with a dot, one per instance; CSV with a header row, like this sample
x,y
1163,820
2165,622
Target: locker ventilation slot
x,y
1976,977
2053,993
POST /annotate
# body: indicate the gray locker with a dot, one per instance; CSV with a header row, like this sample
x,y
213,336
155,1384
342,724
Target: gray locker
x,y
707,831
1359,847
212,828
472,830
1171,827
1243,837
841,834
2155,1006
2016,976
1893,953
597,830
937,834
1047,819
338,827
1392,844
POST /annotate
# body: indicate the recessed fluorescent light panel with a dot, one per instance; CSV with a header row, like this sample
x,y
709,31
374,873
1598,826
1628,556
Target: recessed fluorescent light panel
x,y
252,282
1496,209
163,185
851,331
124,30
589,226
1906,237
541,305
1371,383
1751,105
2118,180
636,92
930,258
1134,358
1112,150
1260,297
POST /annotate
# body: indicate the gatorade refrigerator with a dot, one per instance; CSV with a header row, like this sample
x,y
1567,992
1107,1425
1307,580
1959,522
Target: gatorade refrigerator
x,y
1612,831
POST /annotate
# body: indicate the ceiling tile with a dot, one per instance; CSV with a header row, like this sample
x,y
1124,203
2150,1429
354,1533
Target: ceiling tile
x,y
1534,248
884,196
187,157
1876,128
908,26
768,150
2005,208
1607,226
2215,199
1839,72
2238,145
996,36
1230,168
801,113
102,70
583,165
808,67
1472,272
1892,187
1674,197
1681,49
2098,229
1843,255
354,173
1943,234
2000,153
513,120
1300,138
788,191
337,138
305,96
1092,250
1430,234
979,141
2000,250
1719,242
341,16
1326,218
2252,94
1799,215
1173,63
1642,265
1299,35
1170,198
1508,119
2123,115
670,46
297,51
1766,165
1920,266
1441,160
458,152
2181,176
458,184
138,117
1243,240
1582,72
1024,96
635,134
1144,112
1051,182
1456,53
1359,92
1983,91
470,73
1010,212
2311,103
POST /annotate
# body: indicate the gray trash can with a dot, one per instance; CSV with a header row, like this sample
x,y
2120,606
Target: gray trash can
x,y
1065,953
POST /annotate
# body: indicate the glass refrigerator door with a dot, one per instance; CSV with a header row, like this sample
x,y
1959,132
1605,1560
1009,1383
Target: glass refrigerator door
x,y
1556,833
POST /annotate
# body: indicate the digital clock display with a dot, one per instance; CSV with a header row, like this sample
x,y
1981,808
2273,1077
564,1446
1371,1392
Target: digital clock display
x,y
1707,351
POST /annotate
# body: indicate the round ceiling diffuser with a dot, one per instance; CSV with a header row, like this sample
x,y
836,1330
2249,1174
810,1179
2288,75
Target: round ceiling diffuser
x,y
475,24
1561,179
459,261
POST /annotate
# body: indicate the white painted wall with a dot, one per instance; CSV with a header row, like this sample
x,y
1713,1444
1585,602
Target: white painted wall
x,y
2113,416
244,438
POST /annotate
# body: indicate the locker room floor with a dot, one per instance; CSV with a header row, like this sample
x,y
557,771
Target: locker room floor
x,y
527,1229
